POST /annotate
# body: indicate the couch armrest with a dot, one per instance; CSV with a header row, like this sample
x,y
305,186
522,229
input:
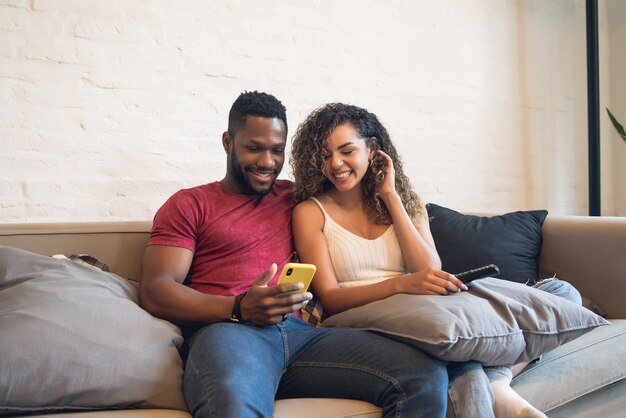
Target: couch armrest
x,y
590,253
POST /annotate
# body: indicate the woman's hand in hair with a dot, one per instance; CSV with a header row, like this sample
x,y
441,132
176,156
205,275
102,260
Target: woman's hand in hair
x,y
385,163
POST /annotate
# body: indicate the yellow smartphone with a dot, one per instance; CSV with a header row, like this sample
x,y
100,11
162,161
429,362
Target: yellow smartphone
x,y
294,273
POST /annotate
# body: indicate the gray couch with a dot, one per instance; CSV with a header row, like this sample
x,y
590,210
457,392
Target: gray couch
x,y
583,378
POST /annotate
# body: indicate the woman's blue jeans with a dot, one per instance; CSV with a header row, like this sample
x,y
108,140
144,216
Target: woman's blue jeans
x,y
237,370
470,388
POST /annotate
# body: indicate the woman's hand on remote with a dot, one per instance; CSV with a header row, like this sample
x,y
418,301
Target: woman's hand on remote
x,y
430,282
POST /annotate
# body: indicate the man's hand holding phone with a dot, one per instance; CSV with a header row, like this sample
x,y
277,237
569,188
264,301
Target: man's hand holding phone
x,y
296,273
264,305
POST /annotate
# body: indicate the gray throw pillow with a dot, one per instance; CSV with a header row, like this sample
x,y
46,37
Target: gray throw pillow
x,y
495,322
74,338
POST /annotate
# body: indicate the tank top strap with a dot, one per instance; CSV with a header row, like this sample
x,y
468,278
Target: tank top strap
x,y
326,216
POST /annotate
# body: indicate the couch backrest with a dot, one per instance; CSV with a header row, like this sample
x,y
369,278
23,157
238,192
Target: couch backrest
x,y
590,252
118,244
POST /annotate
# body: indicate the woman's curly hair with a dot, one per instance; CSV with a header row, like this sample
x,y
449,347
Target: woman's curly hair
x,y
307,159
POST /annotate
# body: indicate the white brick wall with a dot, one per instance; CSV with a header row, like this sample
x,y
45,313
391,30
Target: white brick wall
x,y
108,107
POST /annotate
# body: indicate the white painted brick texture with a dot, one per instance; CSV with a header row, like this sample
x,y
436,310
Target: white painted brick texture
x,y
108,107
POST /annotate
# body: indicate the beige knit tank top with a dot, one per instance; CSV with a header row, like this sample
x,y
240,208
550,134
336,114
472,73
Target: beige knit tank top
x,y
357,260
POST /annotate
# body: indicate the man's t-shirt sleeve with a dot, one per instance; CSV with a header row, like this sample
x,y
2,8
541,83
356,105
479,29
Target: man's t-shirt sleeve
x,y
176,222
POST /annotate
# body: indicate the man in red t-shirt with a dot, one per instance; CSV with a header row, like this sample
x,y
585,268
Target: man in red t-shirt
x,y
211,262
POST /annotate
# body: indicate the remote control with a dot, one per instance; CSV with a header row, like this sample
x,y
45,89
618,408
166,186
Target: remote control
x,y
478,273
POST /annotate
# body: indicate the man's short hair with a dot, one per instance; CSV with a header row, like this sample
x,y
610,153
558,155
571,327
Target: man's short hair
x,y
254,103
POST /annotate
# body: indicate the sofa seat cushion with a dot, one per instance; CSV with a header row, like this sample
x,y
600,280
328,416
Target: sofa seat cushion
x,y
285,408
325,407
579,373
74,338
122,413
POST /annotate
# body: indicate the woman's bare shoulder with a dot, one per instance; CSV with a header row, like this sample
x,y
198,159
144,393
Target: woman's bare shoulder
x,y
308,210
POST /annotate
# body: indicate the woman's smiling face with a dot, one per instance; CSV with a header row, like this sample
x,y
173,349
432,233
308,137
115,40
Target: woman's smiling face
x,y
347,156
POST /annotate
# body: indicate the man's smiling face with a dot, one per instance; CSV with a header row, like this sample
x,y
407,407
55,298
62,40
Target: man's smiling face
x,y
256,155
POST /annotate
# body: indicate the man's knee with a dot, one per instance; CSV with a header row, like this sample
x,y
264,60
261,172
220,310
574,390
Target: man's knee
x,y
429,377
219,381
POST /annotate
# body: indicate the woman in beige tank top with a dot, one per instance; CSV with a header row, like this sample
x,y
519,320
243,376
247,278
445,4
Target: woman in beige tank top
x,y
350,193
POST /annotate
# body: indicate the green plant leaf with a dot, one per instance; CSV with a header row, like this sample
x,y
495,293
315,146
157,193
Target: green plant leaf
x,y
618,127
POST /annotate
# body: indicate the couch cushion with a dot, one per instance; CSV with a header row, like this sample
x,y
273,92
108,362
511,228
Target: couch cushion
x,y
73,338
495,322
122,413
325,407
578,373
511,241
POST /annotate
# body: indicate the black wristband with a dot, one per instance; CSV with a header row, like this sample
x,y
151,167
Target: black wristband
x,y
235,316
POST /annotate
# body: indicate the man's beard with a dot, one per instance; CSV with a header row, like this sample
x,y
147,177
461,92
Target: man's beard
x,y
243,181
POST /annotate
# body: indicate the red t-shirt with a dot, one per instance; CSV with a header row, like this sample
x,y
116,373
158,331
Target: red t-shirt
x,y
234,238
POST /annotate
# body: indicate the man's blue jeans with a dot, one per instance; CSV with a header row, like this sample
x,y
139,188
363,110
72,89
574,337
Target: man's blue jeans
x,y
236,370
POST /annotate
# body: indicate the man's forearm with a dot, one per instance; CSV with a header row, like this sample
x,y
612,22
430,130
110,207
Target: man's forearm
x,y
175,302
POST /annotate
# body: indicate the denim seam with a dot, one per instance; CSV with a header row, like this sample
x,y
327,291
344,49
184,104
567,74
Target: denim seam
x,y
387,378
190,363
452,405
283,335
